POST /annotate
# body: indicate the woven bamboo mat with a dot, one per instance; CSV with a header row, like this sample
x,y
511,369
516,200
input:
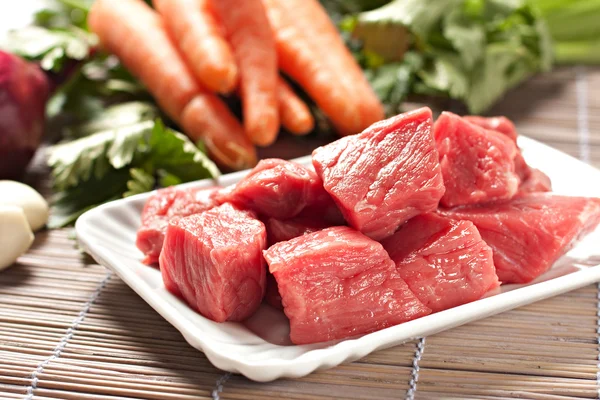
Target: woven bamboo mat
x,y
69,329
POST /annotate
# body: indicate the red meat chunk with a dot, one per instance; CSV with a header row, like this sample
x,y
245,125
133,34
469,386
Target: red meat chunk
x,y
163,206
444,262
279,230
385,175
276,188
337,283
478,165
529,233
522,170
214,261
507,128
536,182
499,124
272,296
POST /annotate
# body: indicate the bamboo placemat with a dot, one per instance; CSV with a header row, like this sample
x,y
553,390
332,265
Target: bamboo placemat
x,y
69,329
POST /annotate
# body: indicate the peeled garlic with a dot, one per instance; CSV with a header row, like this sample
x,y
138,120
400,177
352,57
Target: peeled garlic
x,y
33,204
15,234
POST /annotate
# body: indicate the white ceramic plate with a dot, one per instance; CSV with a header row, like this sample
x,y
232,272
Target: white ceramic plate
x,y
260,348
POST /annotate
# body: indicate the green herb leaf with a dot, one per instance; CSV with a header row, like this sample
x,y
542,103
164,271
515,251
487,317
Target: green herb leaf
x,y
50,47
420,16
140,182
393,82
466,35
471,50
174,153
79,160
119,162
121,114
68,205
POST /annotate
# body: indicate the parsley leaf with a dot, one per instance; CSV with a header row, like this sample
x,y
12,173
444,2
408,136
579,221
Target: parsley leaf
x,y
470,50
119,162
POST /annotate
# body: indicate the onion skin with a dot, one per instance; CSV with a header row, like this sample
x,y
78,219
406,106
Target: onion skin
x,y
24,91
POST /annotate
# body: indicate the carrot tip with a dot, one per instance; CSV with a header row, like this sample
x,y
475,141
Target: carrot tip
x,y
263,133
230,80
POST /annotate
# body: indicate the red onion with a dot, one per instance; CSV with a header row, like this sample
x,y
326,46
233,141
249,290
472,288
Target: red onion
x,y
24,91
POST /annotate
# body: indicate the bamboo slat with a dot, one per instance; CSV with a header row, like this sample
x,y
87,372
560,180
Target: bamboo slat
x,y
121,349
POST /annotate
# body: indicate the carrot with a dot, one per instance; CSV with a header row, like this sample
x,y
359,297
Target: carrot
x,y
253,45
135,34
200,39
231,146
142,46
311,51
293,112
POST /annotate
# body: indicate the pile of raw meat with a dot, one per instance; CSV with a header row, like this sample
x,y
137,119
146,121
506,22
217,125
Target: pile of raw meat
x,y
402,220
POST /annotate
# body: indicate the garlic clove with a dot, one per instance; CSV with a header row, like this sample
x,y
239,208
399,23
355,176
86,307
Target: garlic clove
x,y
34,206
15,235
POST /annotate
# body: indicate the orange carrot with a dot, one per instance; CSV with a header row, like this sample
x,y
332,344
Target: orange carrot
x,y
293,112
226,146
200,39
253,44
311,51
135,34
142,46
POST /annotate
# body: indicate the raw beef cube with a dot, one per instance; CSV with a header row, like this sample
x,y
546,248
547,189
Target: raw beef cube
x,y
276,188
385,175
163,206
444,262
214,261
536,182
337,283
522,170
478,165
498,124
506,127
325,210
279,230
272,296
529,233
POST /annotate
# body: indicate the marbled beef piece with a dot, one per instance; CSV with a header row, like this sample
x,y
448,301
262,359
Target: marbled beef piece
x,y
280,230
337,283
272,296
385,175
214,261
530,232
276,188
160,208
537,181
532,180
499,124
445,263
478,165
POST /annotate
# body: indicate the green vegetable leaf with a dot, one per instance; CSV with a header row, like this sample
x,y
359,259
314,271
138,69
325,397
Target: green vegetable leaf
x,y
100,82
470,50
421,16
79,160
140,182
52,48
466,36
175,154
121,114
445,74
119,162
581,52
68,205
337,9
64,13
571,20
393,82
